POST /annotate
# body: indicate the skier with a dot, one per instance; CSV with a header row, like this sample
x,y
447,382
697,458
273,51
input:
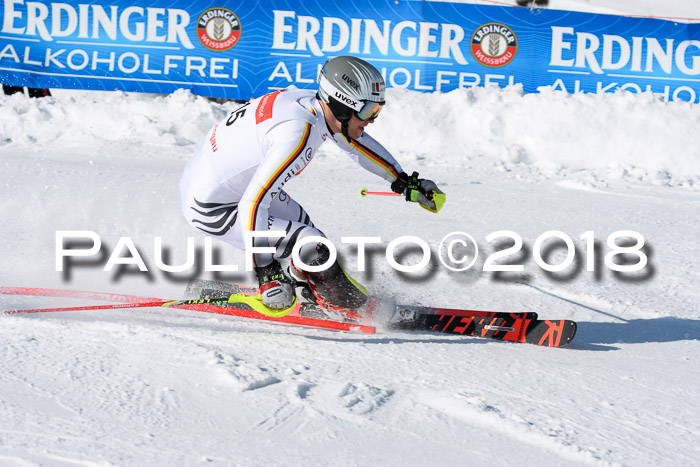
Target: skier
x,y
233,184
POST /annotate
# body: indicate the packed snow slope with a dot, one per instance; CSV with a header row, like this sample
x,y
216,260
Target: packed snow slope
x,y
172,387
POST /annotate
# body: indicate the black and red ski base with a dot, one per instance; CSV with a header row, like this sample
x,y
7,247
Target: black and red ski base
x,y
548,333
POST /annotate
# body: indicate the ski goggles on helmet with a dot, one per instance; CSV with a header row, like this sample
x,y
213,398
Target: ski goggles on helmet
x,y
369,111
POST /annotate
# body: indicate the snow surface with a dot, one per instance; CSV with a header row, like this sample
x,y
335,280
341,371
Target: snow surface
x,y
174,387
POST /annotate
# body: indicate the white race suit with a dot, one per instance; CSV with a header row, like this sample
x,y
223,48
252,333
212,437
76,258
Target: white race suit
x,y
234,182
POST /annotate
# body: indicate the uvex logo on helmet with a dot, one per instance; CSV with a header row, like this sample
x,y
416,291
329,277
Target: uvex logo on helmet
x,y
346,99
351,82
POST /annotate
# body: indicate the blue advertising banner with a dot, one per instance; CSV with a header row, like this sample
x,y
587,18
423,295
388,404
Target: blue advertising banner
x,y
240,49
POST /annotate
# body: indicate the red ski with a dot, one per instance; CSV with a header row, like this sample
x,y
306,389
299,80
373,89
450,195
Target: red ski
x,y
548,333
234,300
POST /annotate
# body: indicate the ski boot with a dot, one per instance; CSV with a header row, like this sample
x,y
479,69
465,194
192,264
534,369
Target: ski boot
x,y
334,293
276,289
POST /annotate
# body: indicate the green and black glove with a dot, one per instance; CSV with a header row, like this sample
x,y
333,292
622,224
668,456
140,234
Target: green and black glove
x,y
421,191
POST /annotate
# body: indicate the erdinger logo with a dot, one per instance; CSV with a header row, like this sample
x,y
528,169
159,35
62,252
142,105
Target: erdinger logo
x,y
494,45
218,29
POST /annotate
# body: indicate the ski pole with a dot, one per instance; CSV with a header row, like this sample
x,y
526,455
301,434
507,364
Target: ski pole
x,y
113,306
364,193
